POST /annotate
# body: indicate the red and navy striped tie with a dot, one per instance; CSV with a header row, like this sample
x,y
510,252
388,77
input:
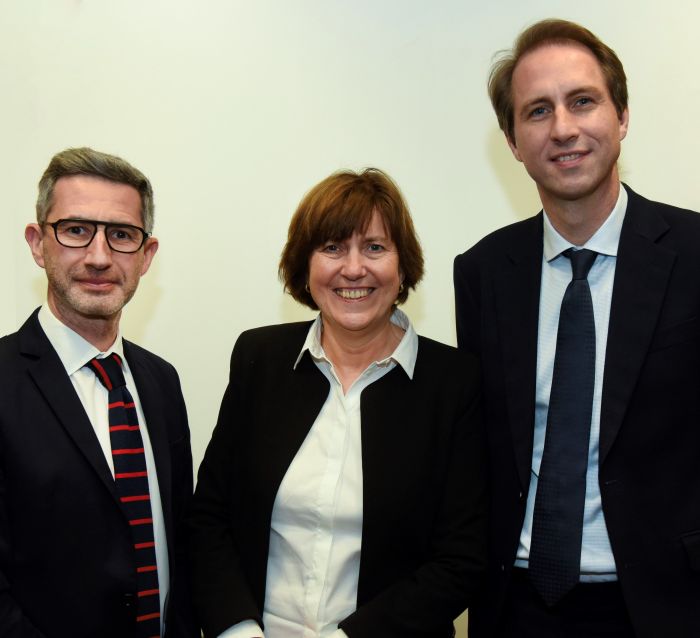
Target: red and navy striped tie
x,y
131,479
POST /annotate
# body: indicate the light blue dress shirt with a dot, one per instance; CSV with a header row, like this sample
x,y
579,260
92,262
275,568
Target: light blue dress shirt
x,y
597,562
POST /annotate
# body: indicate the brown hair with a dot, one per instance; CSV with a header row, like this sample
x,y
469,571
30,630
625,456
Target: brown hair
x,y
333,210
86,161
551,32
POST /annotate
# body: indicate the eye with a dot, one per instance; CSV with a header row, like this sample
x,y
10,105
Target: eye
x,y
75,229
330,248
375,248
583,101
538,112
123,233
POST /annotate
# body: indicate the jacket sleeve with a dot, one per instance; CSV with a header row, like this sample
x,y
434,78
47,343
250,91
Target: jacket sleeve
x,y
180,619
13,623
466,309
221,593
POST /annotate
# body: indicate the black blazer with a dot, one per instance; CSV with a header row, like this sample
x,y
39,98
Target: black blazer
x,y
66,564
649,471
423,536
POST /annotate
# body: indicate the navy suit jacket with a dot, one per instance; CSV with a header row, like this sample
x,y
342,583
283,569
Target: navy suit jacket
x,y
66,558
423,529
649,472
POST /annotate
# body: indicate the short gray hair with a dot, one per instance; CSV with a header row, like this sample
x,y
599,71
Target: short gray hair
x,y
86,161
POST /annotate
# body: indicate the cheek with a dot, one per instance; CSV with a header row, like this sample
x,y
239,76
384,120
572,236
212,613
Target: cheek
x,y
59,266
319,271
391,274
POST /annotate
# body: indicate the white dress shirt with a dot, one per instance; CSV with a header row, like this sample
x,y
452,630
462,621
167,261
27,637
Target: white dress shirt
x,y
313,561
597,561
74,352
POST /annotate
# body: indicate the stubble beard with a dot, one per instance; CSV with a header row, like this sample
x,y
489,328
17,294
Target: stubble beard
x,y
71,300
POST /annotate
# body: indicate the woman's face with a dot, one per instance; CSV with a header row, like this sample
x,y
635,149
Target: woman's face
x,y
355,281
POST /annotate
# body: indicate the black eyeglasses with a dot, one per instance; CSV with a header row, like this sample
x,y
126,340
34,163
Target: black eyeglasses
x,y
78,233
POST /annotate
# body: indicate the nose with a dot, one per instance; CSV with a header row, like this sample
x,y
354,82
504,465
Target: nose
x,y
98,254
564,125
354,265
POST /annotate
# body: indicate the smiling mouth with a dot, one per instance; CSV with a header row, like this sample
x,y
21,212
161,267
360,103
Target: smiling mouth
x,y
353,293
568,158
96,283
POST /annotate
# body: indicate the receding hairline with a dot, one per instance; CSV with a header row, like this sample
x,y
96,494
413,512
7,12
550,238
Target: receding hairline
x,y
582,88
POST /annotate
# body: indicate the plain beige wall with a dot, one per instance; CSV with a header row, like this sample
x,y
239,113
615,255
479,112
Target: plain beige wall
x,y
234,109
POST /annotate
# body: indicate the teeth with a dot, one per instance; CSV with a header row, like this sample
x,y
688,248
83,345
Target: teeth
x,y
568,158
353,293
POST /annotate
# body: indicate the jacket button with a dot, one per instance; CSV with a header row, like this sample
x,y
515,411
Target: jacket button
x,y
129,601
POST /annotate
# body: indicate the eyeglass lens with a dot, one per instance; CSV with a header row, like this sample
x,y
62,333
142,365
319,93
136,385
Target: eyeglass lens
x,y
79,233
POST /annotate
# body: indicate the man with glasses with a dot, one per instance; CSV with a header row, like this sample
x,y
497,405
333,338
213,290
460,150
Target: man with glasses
x,y
95,460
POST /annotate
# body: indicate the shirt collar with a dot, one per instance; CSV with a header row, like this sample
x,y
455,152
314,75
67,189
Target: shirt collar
x,y
405,353
73,351
605,240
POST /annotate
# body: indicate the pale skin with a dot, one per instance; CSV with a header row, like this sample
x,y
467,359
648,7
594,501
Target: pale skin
x,y
568,134
355,283
88,287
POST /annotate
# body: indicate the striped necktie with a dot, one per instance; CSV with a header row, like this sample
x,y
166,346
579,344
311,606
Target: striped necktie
x,y
131,480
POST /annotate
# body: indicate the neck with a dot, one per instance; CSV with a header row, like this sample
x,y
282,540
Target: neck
x,y
578,220
351,352
101,332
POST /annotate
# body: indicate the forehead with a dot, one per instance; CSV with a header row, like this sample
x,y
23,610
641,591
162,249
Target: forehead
x,y
95,198
342,225
556,67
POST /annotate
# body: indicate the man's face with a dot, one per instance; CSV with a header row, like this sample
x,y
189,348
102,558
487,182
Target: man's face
x,y
94,282
567,130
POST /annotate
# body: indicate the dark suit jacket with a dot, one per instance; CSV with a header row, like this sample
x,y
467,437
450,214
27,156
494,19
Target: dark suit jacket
x,y
649,471
66,564
423,536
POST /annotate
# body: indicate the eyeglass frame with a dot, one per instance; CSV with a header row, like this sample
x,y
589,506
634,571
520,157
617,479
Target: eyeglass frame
x,y
106,225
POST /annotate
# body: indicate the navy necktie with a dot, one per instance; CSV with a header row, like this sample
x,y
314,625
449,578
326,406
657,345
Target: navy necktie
x,y
557,525
131,480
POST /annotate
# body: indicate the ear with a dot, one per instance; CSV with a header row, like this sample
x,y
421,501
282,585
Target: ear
x,y
34,235
624,123
149,250
513,147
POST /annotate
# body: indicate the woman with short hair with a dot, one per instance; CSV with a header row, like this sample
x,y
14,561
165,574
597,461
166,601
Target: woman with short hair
x,y
342,493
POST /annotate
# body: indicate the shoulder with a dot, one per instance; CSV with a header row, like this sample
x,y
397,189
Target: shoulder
x,y
8,347
283,335
137,353
28,342
280,342
495,244
155,366
669,227
445,363
674,215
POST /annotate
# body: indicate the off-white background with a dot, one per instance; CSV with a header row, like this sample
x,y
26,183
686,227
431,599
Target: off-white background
x,y
234,109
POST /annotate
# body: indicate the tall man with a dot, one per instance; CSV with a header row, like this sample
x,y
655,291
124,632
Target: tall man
x,y
586,318
94,474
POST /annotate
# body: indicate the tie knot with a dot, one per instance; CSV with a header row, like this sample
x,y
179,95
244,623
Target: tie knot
x,y
108,371
581,261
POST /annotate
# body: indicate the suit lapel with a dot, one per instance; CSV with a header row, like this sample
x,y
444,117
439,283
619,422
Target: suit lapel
x,y
55,386
517,295
306,389
641,277
152,403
